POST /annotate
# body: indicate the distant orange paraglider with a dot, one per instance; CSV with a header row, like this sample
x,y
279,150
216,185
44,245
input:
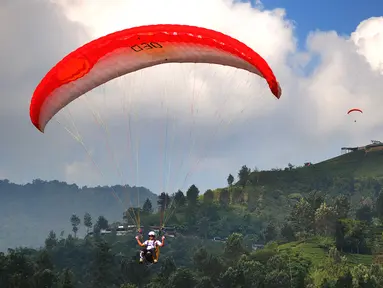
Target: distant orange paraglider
x,y
354,110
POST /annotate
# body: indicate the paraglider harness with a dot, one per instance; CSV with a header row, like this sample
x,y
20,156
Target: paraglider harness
x,y
152,254
149,255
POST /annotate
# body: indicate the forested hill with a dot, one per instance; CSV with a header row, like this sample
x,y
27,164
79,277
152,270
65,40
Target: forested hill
x,y
28,212
357,175
319,225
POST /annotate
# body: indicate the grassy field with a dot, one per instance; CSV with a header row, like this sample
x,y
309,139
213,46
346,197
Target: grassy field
x,y
315,250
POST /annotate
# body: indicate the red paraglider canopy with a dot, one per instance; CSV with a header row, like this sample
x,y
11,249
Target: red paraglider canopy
x,y
354,110
129,50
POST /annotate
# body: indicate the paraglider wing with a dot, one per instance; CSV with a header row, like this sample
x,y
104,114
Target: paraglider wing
x,y
354,110
129,50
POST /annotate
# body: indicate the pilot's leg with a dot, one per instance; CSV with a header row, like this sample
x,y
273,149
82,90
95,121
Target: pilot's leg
x,y
142,254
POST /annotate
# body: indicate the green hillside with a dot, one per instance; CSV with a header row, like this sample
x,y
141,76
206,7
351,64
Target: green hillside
x,y
317,226
358,164
355,164
358,175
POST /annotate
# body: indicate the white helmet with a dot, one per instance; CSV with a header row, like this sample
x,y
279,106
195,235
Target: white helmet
x,y
151,233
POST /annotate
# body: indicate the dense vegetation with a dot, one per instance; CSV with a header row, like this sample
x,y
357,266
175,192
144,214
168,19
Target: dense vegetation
x,y
320,226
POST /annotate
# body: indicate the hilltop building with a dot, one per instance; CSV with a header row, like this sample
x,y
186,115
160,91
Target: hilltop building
x,y
374,146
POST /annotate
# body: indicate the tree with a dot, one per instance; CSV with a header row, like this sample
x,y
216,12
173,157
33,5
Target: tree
x,y
232,277
128,286
103,266
315,199
133,273
287,232
379,206
192,195
61,240
344,281
88,222
302,217
252,273
147,208
209,211
364,213
234,246
207,264
201,259
276,278
75,221
179,199
230,180
44,261
340,232
224,197
51,240
44,276
270,232
342,206
367,276
208,197
203,226
351,236
163,201
17,269
254,199
325,220
205,282
243,175
131,213
237,195
167,268
102,223
182,277
66,279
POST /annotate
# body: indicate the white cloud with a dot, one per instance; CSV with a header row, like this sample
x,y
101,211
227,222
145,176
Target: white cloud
x,y
344,80
368,37
267,32
81,173
308,123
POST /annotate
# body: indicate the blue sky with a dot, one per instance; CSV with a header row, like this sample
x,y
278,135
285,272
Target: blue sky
x,y
342,16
